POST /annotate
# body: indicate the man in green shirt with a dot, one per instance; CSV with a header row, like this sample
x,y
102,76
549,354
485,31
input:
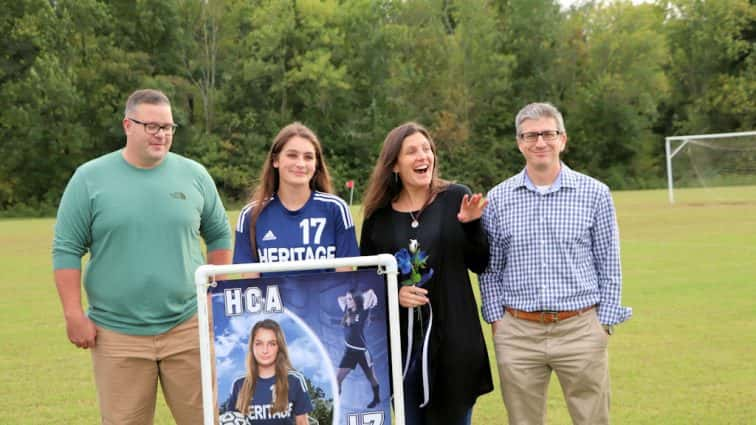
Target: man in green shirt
x,y
139,212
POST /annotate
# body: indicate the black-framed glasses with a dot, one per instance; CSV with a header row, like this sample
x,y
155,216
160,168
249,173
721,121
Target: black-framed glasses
x,y
153,127
532,136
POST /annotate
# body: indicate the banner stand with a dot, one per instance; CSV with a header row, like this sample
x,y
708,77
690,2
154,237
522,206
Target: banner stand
x,y
205,276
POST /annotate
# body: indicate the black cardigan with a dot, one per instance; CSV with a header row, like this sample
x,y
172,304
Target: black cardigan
x,y
459,368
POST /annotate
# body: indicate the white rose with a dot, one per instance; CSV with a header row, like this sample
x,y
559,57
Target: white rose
x,y
413,246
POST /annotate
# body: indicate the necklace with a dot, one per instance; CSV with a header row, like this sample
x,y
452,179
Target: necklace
x,y
415,221
416,218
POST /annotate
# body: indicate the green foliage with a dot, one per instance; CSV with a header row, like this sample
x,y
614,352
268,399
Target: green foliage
x,y
612,107
713,64
322,406
624,75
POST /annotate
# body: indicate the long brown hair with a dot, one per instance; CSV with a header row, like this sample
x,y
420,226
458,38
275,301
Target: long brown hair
x,y
384,187
283,366
269,178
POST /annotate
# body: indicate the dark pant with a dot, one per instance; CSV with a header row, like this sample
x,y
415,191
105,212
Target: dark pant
x,y
438,414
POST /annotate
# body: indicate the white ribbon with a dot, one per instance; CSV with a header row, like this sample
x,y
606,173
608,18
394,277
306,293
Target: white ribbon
x,y
424,354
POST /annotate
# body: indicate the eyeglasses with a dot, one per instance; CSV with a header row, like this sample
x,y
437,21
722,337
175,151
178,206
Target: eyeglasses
x,y
153,127
532,136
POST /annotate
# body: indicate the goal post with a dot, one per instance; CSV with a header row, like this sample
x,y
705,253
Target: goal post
x,y
739,142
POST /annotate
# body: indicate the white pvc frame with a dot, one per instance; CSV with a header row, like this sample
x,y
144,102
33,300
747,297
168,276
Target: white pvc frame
x,y
204,275
685,139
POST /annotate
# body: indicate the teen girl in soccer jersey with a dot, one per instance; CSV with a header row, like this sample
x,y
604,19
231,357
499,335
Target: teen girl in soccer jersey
x,y
356,307
292,215
272,392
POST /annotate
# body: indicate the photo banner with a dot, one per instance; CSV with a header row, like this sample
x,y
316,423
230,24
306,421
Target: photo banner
x,y
337,336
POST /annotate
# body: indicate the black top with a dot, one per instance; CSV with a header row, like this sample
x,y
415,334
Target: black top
x,y
354,322
459,368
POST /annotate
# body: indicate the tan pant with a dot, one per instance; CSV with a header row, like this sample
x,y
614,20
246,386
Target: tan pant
x,y
127,369
576,349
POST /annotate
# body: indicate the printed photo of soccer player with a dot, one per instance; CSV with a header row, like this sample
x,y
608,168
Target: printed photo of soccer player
x,y
315,326
272,392
356,306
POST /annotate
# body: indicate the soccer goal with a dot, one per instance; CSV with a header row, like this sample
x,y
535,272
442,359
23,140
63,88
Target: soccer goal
x,y
710,163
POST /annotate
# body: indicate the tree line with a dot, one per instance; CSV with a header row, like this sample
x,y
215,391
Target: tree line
x,y
624,76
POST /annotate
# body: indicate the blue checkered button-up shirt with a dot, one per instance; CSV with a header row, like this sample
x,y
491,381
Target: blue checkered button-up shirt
x,y
555,251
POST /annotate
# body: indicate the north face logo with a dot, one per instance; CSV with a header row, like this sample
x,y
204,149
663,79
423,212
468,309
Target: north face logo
x,y
178,195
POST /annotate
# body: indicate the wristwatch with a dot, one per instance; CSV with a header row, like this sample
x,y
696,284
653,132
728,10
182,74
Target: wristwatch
x,y
609,329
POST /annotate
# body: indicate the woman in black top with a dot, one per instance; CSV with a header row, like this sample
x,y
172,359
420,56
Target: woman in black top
x,y
406,200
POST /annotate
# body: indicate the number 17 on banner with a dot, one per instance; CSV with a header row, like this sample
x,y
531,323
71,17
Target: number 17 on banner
x,y
369,418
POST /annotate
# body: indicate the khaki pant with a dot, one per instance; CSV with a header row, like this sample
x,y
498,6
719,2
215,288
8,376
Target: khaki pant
x,y
576,349
127,369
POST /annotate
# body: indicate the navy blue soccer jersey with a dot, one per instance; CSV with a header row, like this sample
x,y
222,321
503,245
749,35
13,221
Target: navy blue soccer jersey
x,y
323,228
354,328
262,402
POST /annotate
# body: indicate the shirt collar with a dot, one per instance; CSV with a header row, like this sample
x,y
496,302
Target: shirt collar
x,y
565,178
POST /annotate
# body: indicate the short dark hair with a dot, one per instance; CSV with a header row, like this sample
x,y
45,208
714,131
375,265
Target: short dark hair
x,y
148,96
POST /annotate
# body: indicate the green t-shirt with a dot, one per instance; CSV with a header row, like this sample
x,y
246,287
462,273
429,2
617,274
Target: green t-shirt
x,y
141,228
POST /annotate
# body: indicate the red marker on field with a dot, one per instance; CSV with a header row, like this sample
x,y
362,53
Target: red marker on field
x,y
350,186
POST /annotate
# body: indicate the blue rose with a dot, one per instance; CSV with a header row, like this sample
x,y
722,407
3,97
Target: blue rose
x,y
420,258
425,277
404,261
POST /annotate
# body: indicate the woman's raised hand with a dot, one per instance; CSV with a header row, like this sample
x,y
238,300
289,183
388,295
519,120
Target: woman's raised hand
x,y
471,208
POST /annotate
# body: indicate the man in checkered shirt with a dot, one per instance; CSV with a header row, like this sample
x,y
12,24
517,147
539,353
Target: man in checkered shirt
x,y
553,284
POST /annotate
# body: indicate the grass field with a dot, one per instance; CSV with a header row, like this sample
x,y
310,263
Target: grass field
x,y
688,356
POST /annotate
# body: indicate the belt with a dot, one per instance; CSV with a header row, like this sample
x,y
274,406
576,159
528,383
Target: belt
x,y
546,316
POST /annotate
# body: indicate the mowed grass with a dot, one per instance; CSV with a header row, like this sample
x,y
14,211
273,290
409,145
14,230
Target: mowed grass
x,y
688,355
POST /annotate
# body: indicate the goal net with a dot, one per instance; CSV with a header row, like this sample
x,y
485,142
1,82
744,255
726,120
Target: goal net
x,y
712,168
